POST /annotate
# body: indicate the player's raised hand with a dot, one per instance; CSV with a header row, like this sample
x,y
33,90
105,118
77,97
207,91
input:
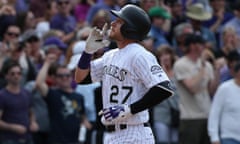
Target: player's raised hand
x,y
116,113
97,39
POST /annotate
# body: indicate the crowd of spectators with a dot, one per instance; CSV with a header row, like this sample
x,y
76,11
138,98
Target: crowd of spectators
x,y
197,43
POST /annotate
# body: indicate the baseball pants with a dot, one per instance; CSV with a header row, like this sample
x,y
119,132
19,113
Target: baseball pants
x,y
132,134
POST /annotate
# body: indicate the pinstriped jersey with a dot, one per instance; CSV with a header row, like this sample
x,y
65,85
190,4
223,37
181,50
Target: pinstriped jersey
x,y
127,74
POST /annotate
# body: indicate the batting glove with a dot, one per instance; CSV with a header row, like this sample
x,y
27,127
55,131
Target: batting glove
x,y
116,113
97,39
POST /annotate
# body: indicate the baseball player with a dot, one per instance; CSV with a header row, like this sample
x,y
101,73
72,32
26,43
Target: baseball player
x,y
132,79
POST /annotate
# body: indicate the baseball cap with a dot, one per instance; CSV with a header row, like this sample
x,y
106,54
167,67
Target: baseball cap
x,y
158,12
54,42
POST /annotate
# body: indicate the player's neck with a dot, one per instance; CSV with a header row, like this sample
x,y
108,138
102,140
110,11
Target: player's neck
x,y
124,43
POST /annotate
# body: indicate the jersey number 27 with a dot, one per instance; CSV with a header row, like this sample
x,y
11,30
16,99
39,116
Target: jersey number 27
x,y
115,91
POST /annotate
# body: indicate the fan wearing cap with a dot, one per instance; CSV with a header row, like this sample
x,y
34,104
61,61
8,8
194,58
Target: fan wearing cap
x,y
32,56
197,15
32,45
56,46
196,81
158,16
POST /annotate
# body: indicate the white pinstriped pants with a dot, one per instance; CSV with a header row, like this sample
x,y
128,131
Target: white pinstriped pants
x,y
133,134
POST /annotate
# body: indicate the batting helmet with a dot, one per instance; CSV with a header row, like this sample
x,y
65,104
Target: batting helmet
x,y
137,22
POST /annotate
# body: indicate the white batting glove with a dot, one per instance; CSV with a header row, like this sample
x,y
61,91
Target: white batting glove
x,y
97,39
115,113
105,122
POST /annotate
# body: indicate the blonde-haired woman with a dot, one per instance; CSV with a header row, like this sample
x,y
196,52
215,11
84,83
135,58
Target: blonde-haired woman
x,y
230,41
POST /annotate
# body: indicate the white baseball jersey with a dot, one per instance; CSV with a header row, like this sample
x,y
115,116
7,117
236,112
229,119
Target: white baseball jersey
x,y
127,74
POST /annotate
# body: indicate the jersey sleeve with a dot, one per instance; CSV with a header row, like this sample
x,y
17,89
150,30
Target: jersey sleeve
x,y
148,70
97,70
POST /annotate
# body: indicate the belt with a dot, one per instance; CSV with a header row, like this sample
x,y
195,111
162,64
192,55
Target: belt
x,y
112,128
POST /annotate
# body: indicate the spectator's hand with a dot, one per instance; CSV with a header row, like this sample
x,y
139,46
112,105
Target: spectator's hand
x,y
115,113
220,14
19,129
34,126
7,10
201,66
165,6
87,124
51,58
97,40
219,63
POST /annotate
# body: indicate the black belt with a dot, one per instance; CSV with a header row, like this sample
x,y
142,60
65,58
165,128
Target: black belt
x,y
112,128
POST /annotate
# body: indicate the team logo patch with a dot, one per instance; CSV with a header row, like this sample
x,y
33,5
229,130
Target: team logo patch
x,y
156,69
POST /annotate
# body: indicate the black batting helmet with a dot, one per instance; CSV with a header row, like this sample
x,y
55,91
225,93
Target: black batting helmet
x,y
137,22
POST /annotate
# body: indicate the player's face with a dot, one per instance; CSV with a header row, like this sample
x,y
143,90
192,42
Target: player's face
x,y
115,32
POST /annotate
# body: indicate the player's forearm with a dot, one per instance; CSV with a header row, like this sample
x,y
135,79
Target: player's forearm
x,y
83,67
154,96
